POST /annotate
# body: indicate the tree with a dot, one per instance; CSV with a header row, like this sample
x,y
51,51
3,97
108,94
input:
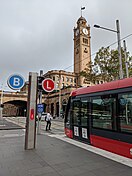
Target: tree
x,y
107,63
88,73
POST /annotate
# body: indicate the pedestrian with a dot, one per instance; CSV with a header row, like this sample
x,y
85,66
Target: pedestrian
x,y
48,120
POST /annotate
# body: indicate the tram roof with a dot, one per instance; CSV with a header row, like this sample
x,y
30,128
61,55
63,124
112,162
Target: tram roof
x,y
123,83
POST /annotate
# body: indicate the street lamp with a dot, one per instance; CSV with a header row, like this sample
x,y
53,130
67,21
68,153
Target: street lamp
x,y
1,103
59,93
119,45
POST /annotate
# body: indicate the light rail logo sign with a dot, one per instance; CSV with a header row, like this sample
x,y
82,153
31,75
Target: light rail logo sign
x,y
15,82
48,85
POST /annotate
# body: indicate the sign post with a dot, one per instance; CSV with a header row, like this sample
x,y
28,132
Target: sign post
x,y
40,102
40,109
30,135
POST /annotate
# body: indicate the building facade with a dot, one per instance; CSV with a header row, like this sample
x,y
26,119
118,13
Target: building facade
x,y
61,78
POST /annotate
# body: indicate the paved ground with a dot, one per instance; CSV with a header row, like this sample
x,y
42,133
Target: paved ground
x,y
55,155
6,124
52,157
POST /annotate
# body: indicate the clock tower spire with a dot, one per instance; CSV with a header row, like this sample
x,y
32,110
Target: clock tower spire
x,y
82,49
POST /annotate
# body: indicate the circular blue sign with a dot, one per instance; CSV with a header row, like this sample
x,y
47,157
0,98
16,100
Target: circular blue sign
x,y
15,82
123,101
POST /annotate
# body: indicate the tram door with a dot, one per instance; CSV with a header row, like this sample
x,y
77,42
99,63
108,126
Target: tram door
x,y
80,119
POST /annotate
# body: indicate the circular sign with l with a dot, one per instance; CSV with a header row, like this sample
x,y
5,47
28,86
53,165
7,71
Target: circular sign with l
x,y
15,82
48,85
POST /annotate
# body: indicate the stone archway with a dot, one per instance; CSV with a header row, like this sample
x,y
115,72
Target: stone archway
x,y
15,108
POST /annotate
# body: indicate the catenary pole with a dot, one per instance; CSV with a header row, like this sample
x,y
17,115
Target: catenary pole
x,y
126,60
119,50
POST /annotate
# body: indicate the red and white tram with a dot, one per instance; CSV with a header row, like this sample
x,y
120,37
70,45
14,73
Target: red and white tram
x,y
101,115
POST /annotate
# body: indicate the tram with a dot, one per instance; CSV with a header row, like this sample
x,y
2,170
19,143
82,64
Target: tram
x,y
101,115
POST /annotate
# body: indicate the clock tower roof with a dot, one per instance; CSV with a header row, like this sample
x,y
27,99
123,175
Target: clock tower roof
x,y
81,20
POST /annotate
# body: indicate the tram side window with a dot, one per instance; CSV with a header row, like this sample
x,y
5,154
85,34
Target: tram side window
x,y
84,113
103,112
76,112
125,112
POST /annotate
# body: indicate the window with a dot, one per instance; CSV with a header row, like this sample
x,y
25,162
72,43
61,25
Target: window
x,y
57,78
67,79
85,40
97,81
86,82
77,51
77,41
62,78
53,78
104,112
84,114
71,80
76,112
57,86
125,112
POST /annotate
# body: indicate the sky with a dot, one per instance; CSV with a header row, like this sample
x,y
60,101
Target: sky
x,y
38,34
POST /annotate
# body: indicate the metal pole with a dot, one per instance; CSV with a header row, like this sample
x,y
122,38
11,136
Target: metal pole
x,y
40,102
59,95
126,61
119,50
1,101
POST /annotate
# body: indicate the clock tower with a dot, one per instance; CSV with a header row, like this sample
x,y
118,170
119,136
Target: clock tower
x,y
82,50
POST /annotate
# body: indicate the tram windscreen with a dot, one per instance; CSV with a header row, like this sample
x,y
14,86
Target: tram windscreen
x,y
67,115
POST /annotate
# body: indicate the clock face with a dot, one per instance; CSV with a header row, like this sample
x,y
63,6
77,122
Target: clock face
x,y
77,32
85,31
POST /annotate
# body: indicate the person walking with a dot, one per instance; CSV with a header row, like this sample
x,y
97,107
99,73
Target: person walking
x,y
48,120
